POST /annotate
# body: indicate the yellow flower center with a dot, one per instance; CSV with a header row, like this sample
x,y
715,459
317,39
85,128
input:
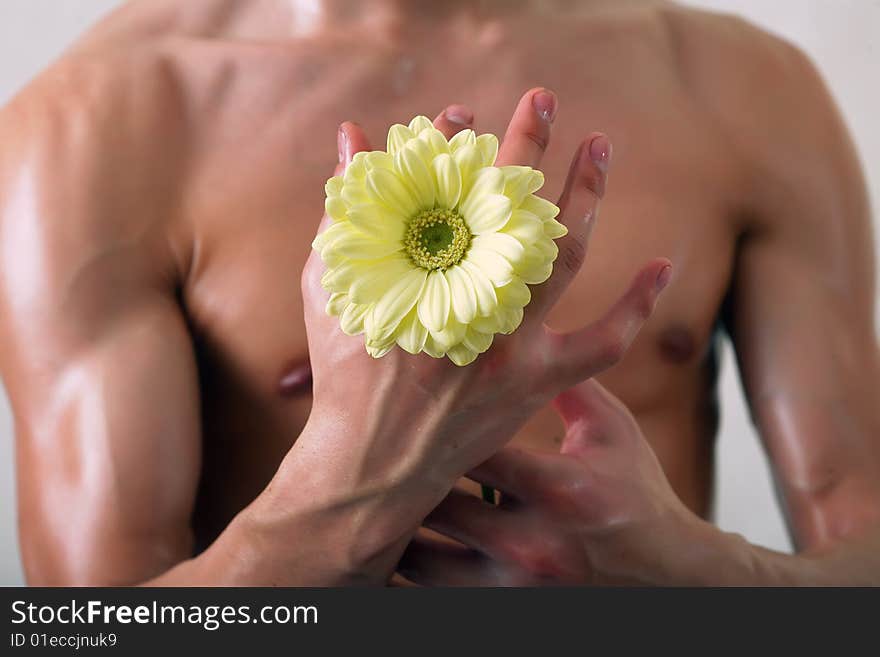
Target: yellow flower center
x,y
437,239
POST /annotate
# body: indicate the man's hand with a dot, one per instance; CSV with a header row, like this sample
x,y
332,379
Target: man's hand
x,y
599,512
388,438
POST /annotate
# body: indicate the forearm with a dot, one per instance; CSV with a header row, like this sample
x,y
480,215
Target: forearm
x,y
324,520
294,548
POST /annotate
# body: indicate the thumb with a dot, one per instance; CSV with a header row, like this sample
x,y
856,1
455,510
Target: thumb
x,y
593,417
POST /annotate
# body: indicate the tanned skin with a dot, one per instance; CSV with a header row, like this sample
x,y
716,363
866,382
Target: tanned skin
x,y
160,186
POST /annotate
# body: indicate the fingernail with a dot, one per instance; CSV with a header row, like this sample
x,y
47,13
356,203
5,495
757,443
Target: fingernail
x,y
545,103
663,278
600,152
459,114
341,144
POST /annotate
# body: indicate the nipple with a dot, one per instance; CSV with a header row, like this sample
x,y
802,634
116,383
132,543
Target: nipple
x,y
677,344
296,380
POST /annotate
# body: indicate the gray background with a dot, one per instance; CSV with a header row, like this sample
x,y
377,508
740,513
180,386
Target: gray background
x,y
842,36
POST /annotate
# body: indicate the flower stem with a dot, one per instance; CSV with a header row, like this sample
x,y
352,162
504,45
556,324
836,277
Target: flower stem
x,y
488,494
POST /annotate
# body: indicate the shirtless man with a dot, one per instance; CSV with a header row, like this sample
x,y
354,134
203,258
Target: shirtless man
x,y
160,186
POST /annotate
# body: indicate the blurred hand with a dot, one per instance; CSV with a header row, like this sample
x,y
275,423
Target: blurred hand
x,y
599,512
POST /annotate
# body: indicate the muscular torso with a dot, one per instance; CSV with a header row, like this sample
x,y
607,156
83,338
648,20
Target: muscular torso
x,y
242,119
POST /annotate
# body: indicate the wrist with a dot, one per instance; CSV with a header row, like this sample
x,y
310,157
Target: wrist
x,y
712,557
325,512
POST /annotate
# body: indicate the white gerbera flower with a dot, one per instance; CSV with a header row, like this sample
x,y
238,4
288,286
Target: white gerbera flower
x,y
432,246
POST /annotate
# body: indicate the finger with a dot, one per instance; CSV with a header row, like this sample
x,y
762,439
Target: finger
x,y
453,120
528,133
520,474
350,139
429,562
469,520
579,209
580,355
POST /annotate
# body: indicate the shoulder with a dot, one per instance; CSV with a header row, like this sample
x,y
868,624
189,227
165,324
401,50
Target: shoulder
x,y
92,118
748,78
779,119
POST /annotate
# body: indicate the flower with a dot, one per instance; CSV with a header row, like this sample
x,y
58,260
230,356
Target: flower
x,y
431,246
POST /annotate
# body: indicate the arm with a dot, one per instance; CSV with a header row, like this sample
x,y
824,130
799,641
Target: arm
x,y
802,320
94,351
103,384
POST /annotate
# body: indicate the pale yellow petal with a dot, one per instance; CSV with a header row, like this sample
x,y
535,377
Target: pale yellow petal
x,y
547,248
378,349
434,305
489,325
356,170
451,335
398,135
419,124
477,340
387,187
411,333
554,230
525,227
462,355
495,266
423,150
464,296
333,187
515,183
486,213
329,234
435,141
521,181
352,319
374,281
432,349
534,269
415,172
340,277
447,179
469,162
357,245
379,221
504,321
337,304
397,302
487,301
510,319
487,181
541,208
487,145
336,208
515,294
356,193
461,139
503,244
378,160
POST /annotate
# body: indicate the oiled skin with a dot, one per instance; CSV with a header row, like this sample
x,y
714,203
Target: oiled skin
x,y
161,183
